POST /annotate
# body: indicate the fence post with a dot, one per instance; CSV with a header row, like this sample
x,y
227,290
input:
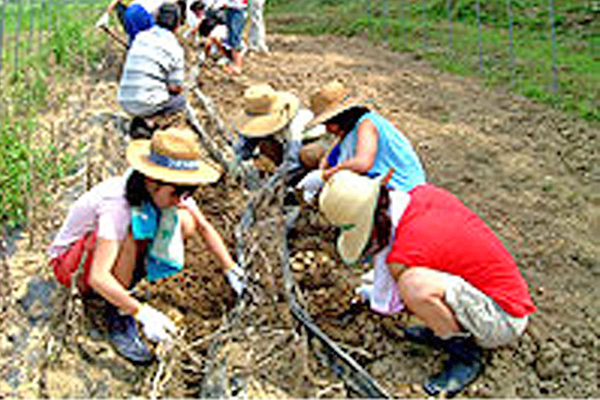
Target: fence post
x,y
479,39
424,17
369,16
18,35
554,62
49,12
402,23
511,39
31,19
2,36
386,16
449,11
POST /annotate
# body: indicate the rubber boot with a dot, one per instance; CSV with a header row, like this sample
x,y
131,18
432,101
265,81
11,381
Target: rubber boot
x,y
124,337
461,369
423,335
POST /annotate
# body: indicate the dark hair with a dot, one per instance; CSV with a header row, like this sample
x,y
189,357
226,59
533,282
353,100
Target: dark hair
x,y
347,119
135,189
168,16
197,6
382,224
136,192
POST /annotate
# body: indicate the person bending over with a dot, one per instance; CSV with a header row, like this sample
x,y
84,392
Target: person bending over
x,y
132,226
438,259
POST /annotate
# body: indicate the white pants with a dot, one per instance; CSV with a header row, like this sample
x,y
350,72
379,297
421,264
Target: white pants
x,y
257,33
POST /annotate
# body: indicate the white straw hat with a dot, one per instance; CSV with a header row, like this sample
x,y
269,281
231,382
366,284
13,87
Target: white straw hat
x,y
172,156
330,100
266,111
348,200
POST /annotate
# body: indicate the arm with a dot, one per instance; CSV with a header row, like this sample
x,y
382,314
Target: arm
x,y
366,150
323,164
112,6
104,281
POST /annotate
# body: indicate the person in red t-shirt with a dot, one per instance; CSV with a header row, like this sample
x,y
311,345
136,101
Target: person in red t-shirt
x,y
446,266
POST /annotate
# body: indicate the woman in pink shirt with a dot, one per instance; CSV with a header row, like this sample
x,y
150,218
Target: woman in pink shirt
x,y
135,224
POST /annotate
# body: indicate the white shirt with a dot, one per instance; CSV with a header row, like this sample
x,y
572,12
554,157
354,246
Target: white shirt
x,y
385,297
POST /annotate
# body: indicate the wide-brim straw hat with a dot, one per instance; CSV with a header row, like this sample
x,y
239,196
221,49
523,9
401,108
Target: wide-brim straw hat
x,y
172,156
348,201
330,100
266,111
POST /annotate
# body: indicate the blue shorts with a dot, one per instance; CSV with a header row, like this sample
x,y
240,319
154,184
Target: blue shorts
x,y
137,19
235,20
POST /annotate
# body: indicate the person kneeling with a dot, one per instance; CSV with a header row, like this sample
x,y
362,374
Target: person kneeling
x,y
134,225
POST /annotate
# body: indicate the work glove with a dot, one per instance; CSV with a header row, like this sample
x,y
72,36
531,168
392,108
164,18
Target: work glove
x,y
156,326
102,21
311,184
237,279
365,292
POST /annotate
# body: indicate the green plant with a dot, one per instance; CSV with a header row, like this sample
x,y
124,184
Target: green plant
x,y
28,164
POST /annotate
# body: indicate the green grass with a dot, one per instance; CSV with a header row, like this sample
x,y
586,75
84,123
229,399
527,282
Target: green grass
x,y
422,27
29,164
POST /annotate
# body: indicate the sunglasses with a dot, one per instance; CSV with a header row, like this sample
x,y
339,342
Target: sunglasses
x,y
181,191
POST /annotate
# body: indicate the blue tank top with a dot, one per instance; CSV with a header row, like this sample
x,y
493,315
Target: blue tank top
x,y
393,151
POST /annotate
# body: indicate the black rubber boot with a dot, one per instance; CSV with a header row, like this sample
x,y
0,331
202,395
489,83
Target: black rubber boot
x,y
462,368
124,336
423,335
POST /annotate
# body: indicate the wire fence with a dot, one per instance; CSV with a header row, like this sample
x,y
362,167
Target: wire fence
x,y
26,26
544,49
484,16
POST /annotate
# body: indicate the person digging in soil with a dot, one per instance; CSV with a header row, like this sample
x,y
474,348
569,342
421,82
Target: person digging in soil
x,y
207,23
151,85
134,225
436,257
271,128
139,16
366,142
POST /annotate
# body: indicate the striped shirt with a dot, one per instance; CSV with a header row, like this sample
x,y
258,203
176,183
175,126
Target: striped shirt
x,y
154,60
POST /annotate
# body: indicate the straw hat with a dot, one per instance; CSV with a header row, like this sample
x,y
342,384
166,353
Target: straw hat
x,y
330,100
348,200
266,111
172,156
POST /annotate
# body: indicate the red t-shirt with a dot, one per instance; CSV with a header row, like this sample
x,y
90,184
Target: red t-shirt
x,y
439,232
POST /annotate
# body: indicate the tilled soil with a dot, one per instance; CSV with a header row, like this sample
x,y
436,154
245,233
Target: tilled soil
x,y
530,172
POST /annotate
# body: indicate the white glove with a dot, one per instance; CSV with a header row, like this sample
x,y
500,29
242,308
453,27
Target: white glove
x,y
156,326
368,277
186,34
103,21
237,279
365,291
311,184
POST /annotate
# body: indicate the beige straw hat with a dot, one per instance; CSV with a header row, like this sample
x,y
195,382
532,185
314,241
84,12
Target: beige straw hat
x,y
348,200
172,156
266,111
330,100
